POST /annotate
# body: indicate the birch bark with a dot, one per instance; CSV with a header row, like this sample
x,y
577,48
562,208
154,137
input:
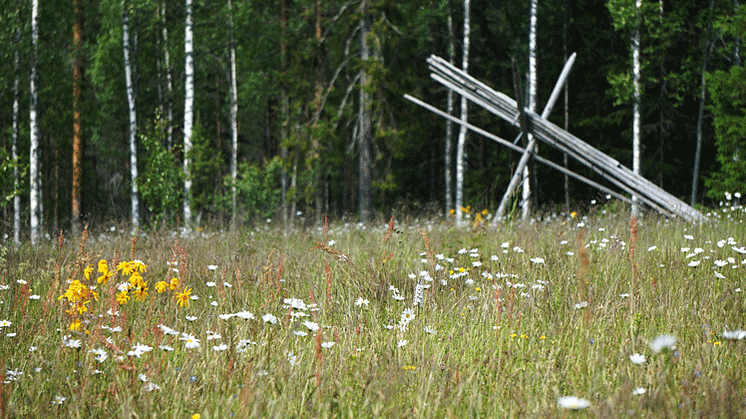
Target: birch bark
x,y
461,144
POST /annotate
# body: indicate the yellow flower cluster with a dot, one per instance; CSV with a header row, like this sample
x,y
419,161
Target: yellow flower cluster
x,y
139,286
78,295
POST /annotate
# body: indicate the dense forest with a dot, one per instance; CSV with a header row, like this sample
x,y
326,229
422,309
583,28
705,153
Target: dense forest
x,y
157,112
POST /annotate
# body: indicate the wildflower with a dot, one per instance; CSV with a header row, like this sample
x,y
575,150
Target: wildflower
x,y
212,267
292,359
419,294
572,403
139,349
5,323
191,318
637,358
362,302
161,286
76,325
407,316
582,304
694,263
122,297
429,330
300,333
294,303
174,284
166,348
398,297
639,391
537,260
401,343
87,272
225,316
220,347
312,326
183,297
210,284
58,400
141,290
68,342
34,297
244,315
190,341
736,334
167,330
662,342
269,318
327,344
151,386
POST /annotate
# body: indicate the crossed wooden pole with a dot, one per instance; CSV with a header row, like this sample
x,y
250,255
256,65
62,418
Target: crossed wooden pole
x,y
541,129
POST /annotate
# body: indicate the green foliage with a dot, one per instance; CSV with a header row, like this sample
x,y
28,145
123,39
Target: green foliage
x,y
258,194
206,164
728,94
161,183
7,168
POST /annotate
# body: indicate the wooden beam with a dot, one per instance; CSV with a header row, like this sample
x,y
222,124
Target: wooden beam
x,y
518,149
613,171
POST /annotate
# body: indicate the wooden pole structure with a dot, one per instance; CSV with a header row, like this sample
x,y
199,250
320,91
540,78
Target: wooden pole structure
x,y
532,144
514,147
610,169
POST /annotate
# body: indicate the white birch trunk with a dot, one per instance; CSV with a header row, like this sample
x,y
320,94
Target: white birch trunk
x,y
234,120
134,197
461,145
636,105
188,112
14,153
169,81
34,181
526,188
449,125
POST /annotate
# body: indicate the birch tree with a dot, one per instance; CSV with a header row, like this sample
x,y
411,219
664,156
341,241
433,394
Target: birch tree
x,y
448,155
635,45
188,111
364,121
234,116
169,78
34,174
461,144
14,146
132,126
526,188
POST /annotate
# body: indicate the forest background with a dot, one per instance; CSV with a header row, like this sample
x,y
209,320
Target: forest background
x,y
322,127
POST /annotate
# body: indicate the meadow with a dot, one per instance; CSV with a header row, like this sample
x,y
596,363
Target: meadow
x,y
564,316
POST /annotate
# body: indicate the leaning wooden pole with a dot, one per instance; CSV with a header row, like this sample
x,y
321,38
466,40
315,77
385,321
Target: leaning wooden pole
x,y
531,144
610,169
518,149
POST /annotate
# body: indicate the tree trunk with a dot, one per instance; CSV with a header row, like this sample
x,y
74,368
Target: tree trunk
x,y
14,147
77,101
169,79
448,163
34,175
461,145
284,111
637,102
526,189
234,119
701,114
188,112
365,123
567,105
315,146
132,127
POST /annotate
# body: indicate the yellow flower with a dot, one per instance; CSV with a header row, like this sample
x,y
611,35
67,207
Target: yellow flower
x,y
573,214
126,268
141,291
161,286
104,278
122,297
87,272
174,284
485,211
103,267
81,307
196,416
183,297
139,266
76,325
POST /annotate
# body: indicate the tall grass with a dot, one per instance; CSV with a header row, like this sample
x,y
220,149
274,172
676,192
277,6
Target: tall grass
x,y
516,318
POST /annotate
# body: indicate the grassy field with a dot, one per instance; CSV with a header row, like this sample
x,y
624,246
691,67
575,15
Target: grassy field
x,y
634,319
